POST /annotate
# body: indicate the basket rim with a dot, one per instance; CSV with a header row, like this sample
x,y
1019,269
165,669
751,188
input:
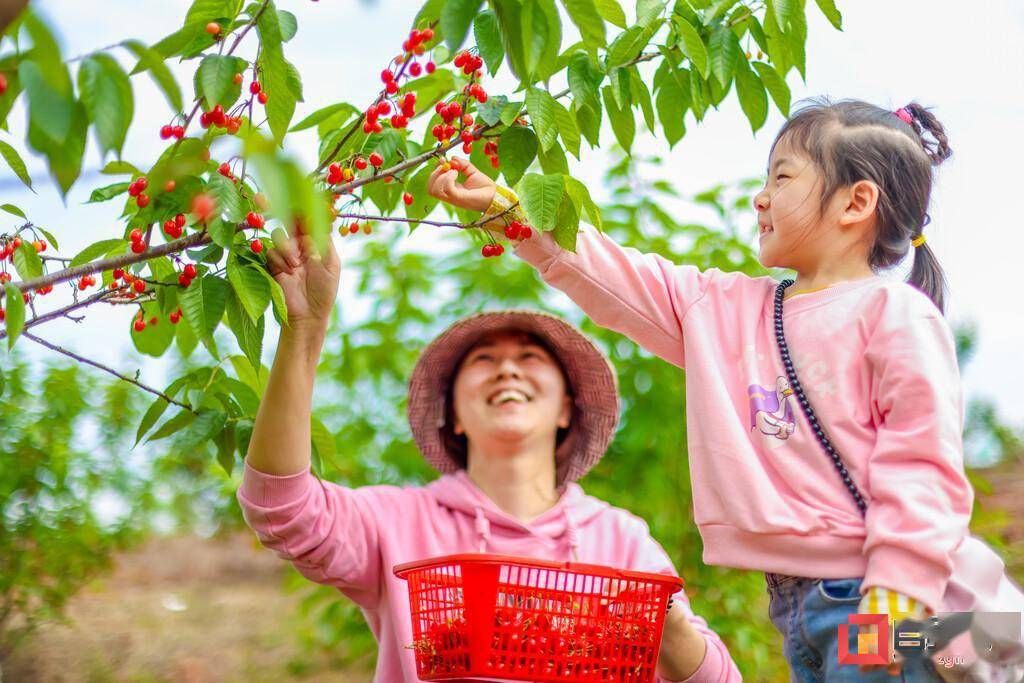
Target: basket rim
x,y
405,568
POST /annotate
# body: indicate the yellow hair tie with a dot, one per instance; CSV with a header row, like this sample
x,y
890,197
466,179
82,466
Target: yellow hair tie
x,y
918,241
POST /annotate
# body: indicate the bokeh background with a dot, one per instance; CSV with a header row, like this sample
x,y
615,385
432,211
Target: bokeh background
x,y
140,568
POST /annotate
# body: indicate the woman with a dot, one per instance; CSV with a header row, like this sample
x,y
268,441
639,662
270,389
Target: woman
x,y
512,407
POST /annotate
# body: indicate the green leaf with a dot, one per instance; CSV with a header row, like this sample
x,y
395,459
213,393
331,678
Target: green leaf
x,y
250,287
828,8
784,11
118,167
248,332
342,111
611,11
753,98
553,160
518,147
222,231
642,96
725,51
622,121
102,194
672,102
288,23
203,304
281,104
775,84
456,16
226,443
490,111
584,80
14,309
584,14
150,60
627,45
14,161
13,210
96,250
179,421
27,262
568,129
488,40
589,120
153,413
107,95
153,340
322,440
216,76
541,107
580,196
648,11
692,45
796,40
540,196
203,11
229,201
206,425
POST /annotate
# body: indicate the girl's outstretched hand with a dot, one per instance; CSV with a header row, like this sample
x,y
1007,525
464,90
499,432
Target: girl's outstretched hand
x,y
308,278
474,193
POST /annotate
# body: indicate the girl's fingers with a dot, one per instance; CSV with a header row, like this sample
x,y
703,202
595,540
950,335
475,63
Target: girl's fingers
x,y
286,246
468,168
276,264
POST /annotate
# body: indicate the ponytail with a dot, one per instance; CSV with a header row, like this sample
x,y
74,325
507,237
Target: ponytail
x,y
927,276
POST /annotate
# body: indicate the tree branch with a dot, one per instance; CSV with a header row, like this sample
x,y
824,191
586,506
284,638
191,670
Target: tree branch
x,y
115,373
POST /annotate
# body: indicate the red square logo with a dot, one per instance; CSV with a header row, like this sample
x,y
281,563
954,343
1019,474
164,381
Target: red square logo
x,y
862,657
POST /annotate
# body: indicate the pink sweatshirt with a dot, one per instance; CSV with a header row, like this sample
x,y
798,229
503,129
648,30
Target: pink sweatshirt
x,y
878,364
352,538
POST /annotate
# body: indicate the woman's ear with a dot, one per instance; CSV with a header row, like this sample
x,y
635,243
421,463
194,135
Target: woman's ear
x,y
858,203
457,427
565,415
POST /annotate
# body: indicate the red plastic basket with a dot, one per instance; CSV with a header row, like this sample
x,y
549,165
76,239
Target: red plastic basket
x,y
512,618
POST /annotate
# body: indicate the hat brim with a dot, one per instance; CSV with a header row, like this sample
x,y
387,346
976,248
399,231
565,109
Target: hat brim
x,y
591,377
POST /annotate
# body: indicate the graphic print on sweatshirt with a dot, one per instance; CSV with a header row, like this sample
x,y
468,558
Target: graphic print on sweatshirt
x,y
773,411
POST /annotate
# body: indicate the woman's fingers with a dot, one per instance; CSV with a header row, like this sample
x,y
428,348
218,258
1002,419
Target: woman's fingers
x,y
286,247
276,263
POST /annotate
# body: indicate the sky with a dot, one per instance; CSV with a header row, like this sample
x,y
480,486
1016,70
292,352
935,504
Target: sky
x,y
966,67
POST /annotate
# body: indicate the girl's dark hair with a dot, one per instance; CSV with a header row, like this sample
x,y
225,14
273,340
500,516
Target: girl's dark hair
x,y
457,445
852,140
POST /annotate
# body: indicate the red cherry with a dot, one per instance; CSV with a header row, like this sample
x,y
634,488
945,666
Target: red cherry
x,y
376,159
203,207
386,76
184,280
135,235
169,186
139,286
178,132
486,251
391,87
3,89
142,200
525,232
399,121
165,132
213,28
254,220
467,148
225,170
153,320
256,246
237,79
382,109
189,271
263,97
255,87
174,317
139,325
427,34
180,220
460,59
142,183
430,67
359,163
415,69
438,131
117,273
407,198
511,231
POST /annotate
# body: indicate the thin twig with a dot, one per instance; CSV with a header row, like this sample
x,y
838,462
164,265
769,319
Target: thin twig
x,y
439,224
61,312
115,373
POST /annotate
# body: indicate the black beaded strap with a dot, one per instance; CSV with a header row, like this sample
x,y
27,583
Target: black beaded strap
x,y
805,405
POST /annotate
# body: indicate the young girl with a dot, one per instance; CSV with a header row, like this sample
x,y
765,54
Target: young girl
x,y
870,521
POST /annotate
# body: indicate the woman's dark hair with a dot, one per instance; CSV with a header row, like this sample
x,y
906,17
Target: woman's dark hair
x,y
851,140
457,445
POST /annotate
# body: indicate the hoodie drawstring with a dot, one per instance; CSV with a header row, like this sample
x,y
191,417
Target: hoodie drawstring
x,y
483,528
574,541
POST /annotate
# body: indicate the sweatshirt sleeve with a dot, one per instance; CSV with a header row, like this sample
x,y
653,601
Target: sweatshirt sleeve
x,y
717,665
643,296
919,498
323,529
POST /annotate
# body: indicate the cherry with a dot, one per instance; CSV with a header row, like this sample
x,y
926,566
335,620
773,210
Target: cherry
x,y
3,89
178,132
467,147
359,163
512,230
142,200
217,116
256,246
254,220
430,67
139,286
399,121
525,232
225,170
233,125
407,198
415,69
255,87
189,271
391,87
354,228
487,250
139,325
204,120
135,235
376,159
383,108
460,59
427,34
237,79
213,28
184,280
117,273
169,186
203,206
263,97
166,132
174,317
179,220
386,76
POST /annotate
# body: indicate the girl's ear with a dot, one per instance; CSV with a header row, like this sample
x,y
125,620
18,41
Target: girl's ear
x,y
858,202
565,416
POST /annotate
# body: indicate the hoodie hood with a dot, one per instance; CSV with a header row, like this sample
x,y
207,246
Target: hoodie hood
x,y
557,527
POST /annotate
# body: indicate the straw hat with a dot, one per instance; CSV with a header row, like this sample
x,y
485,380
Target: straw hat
x,y
591,382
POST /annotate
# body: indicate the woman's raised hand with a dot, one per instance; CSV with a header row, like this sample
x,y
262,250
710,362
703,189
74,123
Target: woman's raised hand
x,y
309,279
474,193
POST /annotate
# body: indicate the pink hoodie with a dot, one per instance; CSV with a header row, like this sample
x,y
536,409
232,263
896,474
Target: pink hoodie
x,y
352,538
876,360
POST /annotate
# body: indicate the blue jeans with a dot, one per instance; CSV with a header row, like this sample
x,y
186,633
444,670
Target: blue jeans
x,y
808,612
